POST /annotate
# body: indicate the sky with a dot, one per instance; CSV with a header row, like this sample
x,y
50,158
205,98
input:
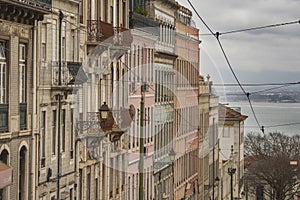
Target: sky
x,y
261,56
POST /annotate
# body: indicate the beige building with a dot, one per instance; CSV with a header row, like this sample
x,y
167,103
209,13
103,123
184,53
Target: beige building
x,y
18,108
56,155
203,169
213,180
102,149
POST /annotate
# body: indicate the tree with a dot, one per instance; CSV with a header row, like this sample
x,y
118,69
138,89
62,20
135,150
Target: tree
x,y
267,162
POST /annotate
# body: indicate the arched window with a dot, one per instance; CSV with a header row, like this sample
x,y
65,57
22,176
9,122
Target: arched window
x,y
4,158
22,173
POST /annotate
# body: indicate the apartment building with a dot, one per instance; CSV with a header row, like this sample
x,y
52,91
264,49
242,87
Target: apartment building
x,y
58,64
203,163
18,128
213,144
102,149
164,61
145,32
186,115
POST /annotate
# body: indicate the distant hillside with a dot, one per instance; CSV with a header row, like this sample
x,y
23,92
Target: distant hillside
x,y
281,95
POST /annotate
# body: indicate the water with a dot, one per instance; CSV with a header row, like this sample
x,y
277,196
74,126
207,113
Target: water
x,y
274,116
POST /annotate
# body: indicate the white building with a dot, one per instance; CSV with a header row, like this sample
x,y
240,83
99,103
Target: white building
x,y
231,152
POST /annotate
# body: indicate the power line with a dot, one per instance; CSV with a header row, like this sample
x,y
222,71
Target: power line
x,y
260,91
254,84
256,28
217,34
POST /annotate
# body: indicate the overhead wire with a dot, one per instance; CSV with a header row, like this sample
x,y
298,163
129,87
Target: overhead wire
x,y
261,91
254,84
256,28
217,34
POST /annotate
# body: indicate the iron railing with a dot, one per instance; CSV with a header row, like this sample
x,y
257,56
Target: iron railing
x,y
71,73
47,4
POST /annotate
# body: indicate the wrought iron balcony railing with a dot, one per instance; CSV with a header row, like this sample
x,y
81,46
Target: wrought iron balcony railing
x,y
71,74
39,3
46,4
99,31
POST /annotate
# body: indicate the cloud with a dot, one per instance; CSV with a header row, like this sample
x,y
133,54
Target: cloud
x,y
272,50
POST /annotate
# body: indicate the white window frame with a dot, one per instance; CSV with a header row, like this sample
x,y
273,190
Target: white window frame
x,y
22,73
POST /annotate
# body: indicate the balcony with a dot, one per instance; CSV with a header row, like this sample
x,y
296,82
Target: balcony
x,y
71,74
99,31
139,21
24,11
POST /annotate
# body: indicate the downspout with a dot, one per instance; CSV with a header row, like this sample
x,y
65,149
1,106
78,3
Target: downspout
x,y
76,153
33,89
61,16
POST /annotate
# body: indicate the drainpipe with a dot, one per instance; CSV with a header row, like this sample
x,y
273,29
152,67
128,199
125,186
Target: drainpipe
x,y
61,16
77,140
32,142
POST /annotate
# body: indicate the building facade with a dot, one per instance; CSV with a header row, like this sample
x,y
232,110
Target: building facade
x,y
231,141
213,141
58,63
102,146
18,128
145,32
186,115
164,61
203,163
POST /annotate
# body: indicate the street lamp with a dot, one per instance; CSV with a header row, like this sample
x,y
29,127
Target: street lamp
x,y
172,155
231,172
104,110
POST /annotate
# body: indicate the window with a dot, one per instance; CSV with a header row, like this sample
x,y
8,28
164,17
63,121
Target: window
x,y
43,138
63,130
44,43
111,177
72,133
73,46
53,131
96,188
124,14
3,88
22,86
22,186
128,189
226,132
71,194
88,186
54,40
63,42
133,187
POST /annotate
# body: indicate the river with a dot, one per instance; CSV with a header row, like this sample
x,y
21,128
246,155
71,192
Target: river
x,y
282,117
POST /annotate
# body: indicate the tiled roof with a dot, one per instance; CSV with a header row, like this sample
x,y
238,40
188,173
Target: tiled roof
x,y
230,114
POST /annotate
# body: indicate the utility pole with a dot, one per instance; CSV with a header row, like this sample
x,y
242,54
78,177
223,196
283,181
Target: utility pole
x,y
231,172
61,16
144,88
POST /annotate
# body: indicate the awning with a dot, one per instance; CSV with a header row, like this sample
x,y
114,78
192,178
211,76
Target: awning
x,y
5,175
